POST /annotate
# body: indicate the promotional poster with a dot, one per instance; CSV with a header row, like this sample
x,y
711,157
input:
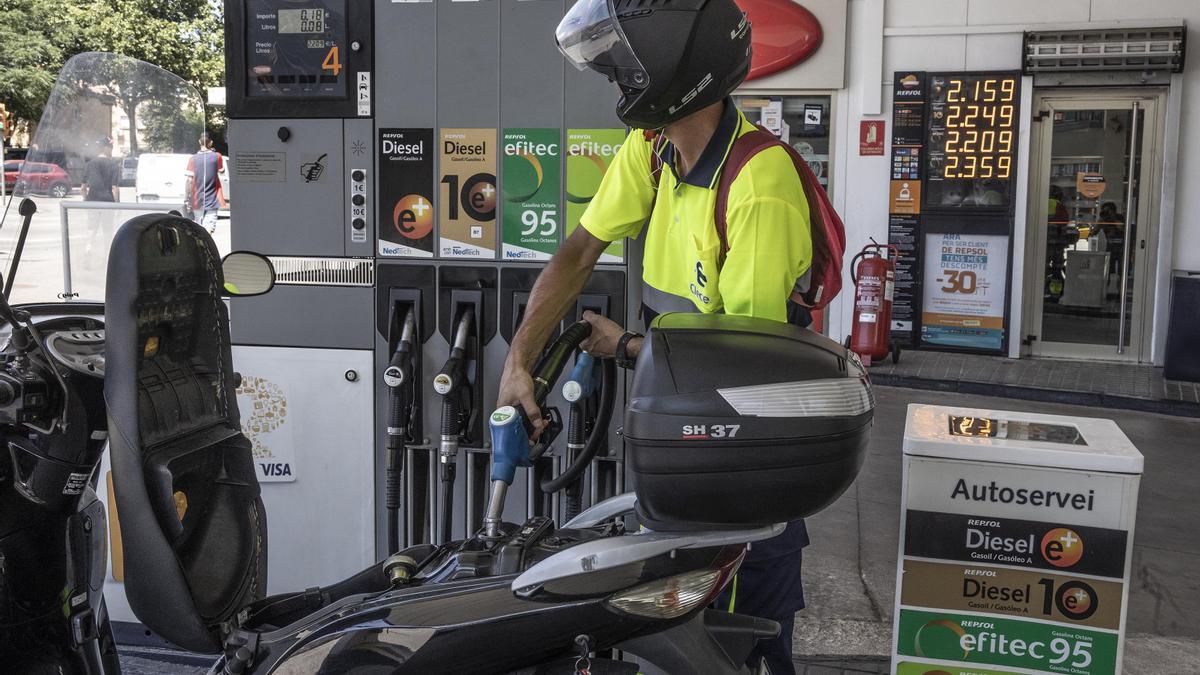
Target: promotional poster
x,y
531,220
467,218
405,219
589,154
964,290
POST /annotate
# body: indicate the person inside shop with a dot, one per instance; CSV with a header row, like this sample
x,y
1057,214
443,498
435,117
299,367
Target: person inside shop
x,y
675,70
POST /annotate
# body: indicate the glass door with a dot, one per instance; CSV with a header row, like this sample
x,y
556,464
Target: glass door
x,y
1091,227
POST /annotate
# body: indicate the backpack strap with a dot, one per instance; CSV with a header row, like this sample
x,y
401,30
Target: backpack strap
x,y
744,149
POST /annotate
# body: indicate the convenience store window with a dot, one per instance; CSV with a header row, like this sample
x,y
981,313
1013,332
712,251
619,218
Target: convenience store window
x,y
804,121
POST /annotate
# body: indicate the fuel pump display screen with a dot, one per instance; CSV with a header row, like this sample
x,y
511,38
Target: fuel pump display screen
x,y
296,49
972,140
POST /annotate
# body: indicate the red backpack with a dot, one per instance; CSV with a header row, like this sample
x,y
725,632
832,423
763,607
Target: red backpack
x,y
823,280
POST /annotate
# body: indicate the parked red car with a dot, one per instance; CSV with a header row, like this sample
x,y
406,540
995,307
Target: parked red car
x,y
39,177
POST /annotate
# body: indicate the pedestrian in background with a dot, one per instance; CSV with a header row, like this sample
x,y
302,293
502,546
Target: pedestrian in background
x,y
101,176
203,185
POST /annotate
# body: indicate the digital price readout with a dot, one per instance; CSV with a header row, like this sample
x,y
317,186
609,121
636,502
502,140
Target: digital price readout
x,y
971,140
1014,430
295,49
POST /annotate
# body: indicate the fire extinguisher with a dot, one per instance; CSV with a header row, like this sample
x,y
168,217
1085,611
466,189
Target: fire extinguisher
x,y
873,271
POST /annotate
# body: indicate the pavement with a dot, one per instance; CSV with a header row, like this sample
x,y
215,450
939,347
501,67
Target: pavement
x,y
40,277
1129,386
850,568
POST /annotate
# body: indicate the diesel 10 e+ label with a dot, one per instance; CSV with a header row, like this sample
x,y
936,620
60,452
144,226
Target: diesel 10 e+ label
x,y
1007,642
995,590
1023,543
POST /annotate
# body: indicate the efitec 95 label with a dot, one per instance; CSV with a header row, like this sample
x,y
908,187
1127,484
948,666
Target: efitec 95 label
x,y
1007,642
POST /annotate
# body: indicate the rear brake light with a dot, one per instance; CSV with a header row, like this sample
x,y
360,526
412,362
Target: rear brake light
x,y
677,595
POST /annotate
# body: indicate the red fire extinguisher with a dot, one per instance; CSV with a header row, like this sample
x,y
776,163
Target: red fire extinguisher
x,y
874,283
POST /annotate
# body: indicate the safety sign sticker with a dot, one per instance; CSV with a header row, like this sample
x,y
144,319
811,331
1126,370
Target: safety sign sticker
x,y
1030,493
997,590
467,217
406,193
1073,549
989,640
589,154
531,169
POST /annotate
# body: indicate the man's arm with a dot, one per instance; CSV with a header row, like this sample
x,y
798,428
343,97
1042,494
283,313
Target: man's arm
x,y
556,288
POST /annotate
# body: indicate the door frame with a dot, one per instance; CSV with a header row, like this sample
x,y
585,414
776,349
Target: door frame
x,y
1153,100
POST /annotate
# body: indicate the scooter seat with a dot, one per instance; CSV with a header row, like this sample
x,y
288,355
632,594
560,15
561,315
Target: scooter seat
x,y
193,523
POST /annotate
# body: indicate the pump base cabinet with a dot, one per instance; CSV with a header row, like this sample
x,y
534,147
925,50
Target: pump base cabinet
x,y
1015,543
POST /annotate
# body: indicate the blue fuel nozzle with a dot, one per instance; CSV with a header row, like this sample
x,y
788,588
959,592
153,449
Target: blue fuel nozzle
x,y
581,383
510,442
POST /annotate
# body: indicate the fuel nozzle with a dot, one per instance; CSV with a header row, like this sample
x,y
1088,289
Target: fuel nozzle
x,y
512,429
580,385
398,377
451,383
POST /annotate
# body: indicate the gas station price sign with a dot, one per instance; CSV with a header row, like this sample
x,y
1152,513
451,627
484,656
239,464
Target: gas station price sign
x,y
296,49
971,140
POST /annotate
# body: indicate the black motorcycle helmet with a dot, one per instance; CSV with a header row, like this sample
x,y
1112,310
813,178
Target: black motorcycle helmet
x,y
670,58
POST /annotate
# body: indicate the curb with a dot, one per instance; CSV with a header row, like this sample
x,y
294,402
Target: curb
x,y
1084,398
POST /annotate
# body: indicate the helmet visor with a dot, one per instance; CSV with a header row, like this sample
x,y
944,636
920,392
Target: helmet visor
x,y
590,37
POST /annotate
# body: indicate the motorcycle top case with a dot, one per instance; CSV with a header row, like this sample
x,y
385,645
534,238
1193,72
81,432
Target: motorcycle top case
x,y
741,422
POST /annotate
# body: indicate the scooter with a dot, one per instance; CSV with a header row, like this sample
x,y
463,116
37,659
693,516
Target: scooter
x,y
527,597
512,596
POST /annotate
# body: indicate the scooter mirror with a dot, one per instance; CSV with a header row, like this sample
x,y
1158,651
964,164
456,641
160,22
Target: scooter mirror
x,y
247,273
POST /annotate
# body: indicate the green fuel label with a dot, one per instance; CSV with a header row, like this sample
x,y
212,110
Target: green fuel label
x,y
531,218
589,154
910,668
1007,642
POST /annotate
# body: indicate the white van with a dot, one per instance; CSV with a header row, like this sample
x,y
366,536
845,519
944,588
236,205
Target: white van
x,y
161,177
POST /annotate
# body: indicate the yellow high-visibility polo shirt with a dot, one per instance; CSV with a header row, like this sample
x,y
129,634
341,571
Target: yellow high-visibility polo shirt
x,y
770,243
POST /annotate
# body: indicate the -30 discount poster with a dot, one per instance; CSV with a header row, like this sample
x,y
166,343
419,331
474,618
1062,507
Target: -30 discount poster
x,y
467,222
531,168
964,299
589,154
406,192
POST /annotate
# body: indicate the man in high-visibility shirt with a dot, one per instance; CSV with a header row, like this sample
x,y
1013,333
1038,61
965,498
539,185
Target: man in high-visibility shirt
x,y
676,65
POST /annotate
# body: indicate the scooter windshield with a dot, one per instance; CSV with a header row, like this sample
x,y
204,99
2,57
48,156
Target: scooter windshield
x,y
114,141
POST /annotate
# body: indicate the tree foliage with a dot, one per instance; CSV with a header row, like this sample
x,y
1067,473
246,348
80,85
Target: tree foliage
x,y
37,37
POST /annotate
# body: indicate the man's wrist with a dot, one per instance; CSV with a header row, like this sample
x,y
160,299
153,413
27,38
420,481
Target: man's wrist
x,y
627,350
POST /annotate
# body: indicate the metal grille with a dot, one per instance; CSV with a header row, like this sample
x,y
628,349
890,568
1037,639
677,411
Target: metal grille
x,y
1136,49
324,271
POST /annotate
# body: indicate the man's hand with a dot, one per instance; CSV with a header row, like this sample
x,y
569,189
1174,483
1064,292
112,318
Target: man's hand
x,y
602,343
516,388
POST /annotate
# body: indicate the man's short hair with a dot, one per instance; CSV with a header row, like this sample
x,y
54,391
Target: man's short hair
x,y
204,140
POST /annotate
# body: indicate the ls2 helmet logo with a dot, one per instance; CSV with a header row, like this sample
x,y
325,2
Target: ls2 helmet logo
x,y
1062,547
413,216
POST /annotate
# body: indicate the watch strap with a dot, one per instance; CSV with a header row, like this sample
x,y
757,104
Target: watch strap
x,y
621,354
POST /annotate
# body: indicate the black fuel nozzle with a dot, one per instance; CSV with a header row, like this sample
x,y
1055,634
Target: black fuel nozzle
x,y
451,384
398,376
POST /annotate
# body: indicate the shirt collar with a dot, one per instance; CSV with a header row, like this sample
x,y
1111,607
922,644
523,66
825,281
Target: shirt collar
x,y
708,166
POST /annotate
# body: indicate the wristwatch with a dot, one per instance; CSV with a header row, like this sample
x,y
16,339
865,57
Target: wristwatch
x,y
622,358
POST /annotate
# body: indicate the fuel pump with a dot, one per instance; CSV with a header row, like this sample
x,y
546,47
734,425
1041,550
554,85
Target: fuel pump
x,y
454,384
402,409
